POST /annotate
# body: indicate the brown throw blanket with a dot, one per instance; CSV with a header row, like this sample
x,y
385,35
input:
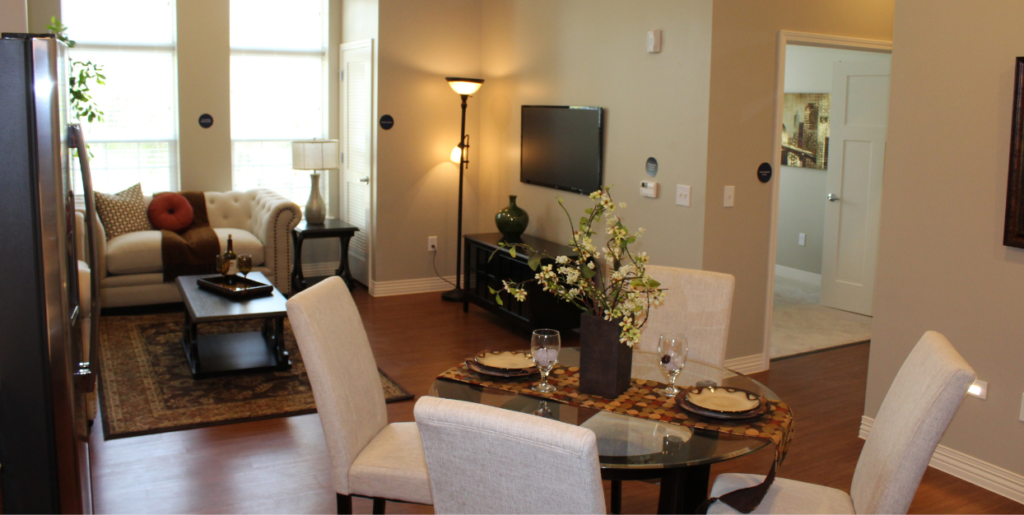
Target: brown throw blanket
x,y
193,251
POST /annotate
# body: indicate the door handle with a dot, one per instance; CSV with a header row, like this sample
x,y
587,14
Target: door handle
x,y
365,180
832,197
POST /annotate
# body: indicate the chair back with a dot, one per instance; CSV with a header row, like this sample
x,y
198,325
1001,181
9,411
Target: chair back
x,y
346,385
698,304
483,459
920,403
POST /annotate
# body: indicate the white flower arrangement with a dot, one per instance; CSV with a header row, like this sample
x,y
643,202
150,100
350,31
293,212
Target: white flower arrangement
x,y
627,294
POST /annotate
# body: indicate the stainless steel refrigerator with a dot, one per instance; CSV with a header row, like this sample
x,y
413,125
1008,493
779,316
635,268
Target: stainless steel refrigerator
x,y
44,374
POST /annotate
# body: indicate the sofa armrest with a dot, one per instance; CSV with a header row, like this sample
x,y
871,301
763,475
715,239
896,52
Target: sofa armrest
x,y
273,218
101,241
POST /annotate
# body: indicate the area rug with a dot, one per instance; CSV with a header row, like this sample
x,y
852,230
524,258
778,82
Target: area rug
x,y
146,386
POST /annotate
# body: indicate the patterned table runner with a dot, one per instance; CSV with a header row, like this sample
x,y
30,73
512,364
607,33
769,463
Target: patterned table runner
x,y
642,400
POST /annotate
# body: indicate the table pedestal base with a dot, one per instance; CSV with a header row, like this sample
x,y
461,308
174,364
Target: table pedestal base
x,y
683,489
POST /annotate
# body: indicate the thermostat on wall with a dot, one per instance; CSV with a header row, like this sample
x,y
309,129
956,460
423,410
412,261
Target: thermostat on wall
x,y
649,189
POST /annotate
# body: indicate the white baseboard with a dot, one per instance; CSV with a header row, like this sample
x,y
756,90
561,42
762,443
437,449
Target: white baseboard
x,y
798,275
955,463
751,364
408,286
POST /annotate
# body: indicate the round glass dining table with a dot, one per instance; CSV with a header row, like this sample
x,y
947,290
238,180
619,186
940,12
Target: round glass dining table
x,y
632,448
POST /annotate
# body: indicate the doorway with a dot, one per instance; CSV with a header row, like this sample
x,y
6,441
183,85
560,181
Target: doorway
x,y
357,152
832,109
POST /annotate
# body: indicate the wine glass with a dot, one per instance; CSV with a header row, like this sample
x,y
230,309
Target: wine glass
x,y
244,263
672,349
545,345
223,265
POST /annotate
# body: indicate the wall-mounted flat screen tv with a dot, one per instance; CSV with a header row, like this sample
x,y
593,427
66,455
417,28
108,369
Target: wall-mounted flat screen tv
x,y
562,147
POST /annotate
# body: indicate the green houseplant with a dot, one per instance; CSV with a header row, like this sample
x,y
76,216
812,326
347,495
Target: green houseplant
x,y
82,73
610,285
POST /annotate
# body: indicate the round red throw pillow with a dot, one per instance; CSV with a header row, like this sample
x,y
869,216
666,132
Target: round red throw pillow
x,y
170,211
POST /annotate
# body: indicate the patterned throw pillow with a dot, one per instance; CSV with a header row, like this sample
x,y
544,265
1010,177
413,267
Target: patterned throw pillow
x,y
123,212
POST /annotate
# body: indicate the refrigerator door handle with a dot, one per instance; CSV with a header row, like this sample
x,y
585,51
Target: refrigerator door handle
x,y
91,222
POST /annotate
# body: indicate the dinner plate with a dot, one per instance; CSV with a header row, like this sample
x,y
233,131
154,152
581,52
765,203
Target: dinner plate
x,y
480,369
682,403
723,399
517,360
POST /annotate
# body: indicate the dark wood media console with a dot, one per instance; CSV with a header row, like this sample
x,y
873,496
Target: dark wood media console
x,y
541,309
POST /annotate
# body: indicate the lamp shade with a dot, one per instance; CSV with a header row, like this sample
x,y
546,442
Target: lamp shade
x,y
464,86
318,154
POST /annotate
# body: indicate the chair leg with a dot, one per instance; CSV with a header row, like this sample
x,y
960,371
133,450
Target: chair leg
x,y
344,504
378,506
616,496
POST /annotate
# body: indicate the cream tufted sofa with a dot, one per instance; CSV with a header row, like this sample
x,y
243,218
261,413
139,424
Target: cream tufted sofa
x,y
259,221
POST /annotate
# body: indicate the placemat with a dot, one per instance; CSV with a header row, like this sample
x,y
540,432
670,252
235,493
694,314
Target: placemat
x,y
642,400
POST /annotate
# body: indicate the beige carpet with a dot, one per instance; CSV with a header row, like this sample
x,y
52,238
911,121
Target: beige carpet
x,y
800,324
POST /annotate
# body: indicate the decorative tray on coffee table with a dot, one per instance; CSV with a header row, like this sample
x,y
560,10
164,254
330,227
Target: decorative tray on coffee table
x,y
235,287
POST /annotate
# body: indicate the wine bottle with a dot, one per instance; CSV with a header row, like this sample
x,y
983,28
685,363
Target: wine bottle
x,y
230,257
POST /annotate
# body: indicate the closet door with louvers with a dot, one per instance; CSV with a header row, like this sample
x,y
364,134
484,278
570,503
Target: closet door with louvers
x,y
357,148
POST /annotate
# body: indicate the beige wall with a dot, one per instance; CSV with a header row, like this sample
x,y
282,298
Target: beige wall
x,y
416,184
204,76
740,136
39,13
941,263
13,16
593,53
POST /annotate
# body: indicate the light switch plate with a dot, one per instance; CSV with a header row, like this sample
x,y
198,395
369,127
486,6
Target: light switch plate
x,y
1022,407
654,41
730,196
649,189
802,239
683,195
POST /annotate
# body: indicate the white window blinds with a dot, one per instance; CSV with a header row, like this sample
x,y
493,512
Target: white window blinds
x,y
278,91
134,42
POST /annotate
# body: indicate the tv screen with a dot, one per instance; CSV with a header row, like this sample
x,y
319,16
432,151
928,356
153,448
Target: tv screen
x,y
562,147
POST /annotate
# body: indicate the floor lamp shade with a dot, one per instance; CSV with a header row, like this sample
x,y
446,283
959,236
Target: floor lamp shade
x,y
318,154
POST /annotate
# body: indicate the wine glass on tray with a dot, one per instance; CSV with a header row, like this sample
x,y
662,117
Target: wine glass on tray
x,y
545,345
244,263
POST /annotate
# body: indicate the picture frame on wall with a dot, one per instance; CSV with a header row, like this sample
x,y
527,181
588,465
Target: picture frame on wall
x,y
1013,228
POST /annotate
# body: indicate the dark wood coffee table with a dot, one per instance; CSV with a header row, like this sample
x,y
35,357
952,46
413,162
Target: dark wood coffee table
x,y
219,354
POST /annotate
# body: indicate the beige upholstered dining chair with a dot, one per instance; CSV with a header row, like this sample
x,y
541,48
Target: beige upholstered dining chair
x,y
369,457
484,459
698,305
920,403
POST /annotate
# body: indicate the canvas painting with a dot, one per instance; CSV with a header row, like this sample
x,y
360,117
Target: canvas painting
x,y
805,130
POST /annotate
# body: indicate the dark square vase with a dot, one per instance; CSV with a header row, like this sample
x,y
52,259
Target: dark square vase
x,y
605,364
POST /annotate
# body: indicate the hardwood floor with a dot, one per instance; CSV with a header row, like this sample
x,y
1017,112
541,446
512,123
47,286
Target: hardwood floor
x,y
281,465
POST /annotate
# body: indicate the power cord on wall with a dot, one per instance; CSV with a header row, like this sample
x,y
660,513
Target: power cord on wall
x,y
433,263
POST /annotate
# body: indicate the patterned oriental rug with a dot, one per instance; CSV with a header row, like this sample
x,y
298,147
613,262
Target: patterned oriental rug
x,y
146,387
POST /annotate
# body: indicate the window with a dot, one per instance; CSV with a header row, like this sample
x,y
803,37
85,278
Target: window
x,y
278,91
137,141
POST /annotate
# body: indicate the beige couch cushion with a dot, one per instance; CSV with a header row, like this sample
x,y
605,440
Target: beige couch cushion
x,y
140,252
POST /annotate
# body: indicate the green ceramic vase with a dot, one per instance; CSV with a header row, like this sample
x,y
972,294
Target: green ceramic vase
x,y
512,220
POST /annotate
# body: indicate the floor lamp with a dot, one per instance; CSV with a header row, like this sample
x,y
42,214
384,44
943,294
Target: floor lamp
x,y
464,87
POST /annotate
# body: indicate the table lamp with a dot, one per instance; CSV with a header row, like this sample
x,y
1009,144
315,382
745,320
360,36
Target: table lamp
x,y
316,155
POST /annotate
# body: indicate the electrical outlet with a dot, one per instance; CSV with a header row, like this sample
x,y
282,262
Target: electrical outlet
x,y
802,240
431,243
682,195
730,196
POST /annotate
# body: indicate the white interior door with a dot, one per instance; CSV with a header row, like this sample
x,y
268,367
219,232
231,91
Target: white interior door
x,y
858,126
357,148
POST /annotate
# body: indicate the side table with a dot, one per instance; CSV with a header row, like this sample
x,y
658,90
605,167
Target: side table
x,y
331,228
